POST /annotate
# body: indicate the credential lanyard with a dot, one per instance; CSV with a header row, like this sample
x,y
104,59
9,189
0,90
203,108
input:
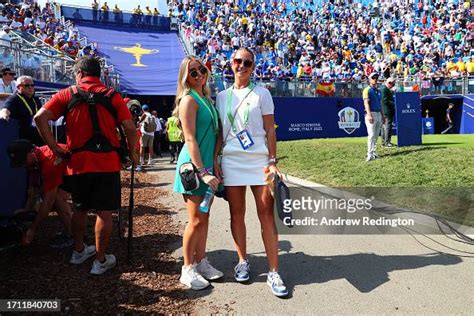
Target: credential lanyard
x,y
229,108
210,108
28,106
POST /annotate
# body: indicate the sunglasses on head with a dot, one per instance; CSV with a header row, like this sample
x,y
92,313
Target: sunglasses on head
x,y
247,63
194,72
28,85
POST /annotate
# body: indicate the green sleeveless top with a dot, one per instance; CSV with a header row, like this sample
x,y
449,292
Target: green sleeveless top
x,y
207,126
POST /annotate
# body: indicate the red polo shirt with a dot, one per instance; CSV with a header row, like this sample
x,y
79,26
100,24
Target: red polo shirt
x,y
51,174
79,128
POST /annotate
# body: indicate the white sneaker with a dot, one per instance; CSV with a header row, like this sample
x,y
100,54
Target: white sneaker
x,y
80,257
205,269
99,268
149,161
192,279
277,285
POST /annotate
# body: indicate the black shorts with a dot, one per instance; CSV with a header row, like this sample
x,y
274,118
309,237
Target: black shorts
x,y
95,191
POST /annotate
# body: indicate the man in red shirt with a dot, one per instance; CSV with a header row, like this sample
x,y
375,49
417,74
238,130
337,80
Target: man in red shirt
x,y
47,172
94,170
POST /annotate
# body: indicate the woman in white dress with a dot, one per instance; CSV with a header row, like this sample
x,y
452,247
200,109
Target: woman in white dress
x,y
248,146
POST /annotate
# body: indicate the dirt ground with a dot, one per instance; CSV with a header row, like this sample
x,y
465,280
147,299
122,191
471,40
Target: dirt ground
x,y
149,285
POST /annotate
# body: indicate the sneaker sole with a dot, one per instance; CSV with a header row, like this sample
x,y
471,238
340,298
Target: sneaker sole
x,y
100,273
194,288
277,293
84,259
217,277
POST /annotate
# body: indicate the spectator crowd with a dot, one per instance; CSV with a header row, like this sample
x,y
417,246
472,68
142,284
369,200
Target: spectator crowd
x,y
29,19
343,41
48,35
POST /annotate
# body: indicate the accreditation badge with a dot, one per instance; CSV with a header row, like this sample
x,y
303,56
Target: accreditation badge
x,y
245,139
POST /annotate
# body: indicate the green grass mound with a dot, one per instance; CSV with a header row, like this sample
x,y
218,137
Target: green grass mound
x,y
444,163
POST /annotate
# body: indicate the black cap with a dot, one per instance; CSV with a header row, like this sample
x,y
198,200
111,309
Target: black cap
x,y
17,151
7,70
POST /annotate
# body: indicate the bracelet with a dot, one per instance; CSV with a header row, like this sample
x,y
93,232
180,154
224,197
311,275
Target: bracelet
x,y
202,172
272,160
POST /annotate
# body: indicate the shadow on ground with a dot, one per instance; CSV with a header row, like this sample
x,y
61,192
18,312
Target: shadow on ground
x,y
364,271
409,151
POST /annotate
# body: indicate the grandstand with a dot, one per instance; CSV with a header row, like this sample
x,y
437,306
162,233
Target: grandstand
x,y
428,47
300,45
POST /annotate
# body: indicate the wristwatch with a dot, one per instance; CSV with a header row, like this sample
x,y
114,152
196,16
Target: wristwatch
x,y
272,160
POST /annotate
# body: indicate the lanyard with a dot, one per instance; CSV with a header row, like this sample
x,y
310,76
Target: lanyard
x,y
209,107
27,105
247,109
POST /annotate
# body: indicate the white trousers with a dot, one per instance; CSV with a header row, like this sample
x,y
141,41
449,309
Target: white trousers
x,y
373,131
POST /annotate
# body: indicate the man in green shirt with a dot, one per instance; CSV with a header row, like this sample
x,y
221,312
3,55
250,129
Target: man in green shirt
x,y
388,107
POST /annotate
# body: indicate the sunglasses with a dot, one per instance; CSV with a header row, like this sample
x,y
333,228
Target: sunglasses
x,y
28,85
194,72
247,63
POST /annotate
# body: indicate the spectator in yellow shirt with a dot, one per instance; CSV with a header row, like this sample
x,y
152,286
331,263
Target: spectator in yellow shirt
x,y
470,66
117,14
451,66
461,66
148,15
156,14
105,12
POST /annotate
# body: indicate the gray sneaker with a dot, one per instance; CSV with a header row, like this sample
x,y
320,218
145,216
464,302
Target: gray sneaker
x,y
205,269
99,268
80,257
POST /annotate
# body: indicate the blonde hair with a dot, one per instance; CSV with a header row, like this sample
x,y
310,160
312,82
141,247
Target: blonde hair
x,y
183,85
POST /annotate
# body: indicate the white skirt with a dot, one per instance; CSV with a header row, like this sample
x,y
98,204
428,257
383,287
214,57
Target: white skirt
x,y
244,167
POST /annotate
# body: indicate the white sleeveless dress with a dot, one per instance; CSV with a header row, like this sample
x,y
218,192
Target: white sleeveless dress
x,y
244,167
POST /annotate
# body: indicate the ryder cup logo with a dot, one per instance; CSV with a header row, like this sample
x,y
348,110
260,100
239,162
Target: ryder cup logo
x,y
349,119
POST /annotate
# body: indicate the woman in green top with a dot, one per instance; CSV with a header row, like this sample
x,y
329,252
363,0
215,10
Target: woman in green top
x,y
199,122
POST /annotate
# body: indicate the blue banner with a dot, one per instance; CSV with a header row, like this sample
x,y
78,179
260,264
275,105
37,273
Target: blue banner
x,y
307,118
408,112
148,62
467,118
428,125
12,180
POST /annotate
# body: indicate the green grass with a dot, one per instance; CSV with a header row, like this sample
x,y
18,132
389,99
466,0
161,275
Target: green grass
x,y
443,161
